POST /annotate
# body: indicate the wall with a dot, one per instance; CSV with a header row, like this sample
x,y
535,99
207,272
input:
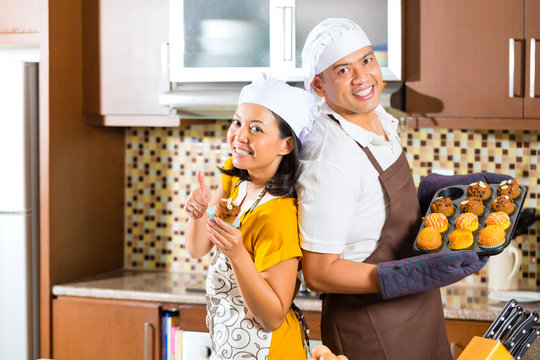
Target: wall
x,y
161,164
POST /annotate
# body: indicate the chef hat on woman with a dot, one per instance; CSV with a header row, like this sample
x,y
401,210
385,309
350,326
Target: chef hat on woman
x,y
296,106
328,42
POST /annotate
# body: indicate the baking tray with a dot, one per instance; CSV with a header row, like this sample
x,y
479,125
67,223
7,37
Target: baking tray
x,y
458,193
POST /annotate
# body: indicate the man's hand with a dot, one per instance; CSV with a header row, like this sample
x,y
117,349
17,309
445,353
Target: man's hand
x,y
425,272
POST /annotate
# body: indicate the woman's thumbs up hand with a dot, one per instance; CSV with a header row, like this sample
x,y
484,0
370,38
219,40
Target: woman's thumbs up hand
x,y
197,201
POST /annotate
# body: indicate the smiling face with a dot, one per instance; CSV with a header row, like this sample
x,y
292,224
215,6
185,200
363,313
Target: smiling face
x,y
352,85
255,141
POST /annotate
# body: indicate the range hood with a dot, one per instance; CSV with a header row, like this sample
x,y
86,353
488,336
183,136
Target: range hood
x,y
219,100
203,100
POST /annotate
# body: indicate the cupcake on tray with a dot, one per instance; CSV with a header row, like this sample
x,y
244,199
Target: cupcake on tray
x,y
491,237
473,205
509,188
467,221
443,205
503,203
429,238
460,239
499,218
437,221
479,189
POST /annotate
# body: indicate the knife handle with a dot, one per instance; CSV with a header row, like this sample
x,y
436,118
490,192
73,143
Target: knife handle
x,y
508,324
524,327
496,324
514,334
531,336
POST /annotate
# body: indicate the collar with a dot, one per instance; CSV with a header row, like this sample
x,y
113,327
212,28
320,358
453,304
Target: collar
x,y
361,135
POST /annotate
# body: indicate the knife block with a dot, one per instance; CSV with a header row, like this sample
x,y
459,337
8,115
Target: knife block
x,y
485,349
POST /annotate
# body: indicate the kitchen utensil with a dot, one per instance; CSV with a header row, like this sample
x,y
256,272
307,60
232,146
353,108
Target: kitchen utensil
x,y
503,269
508,324
521,296
514,335
521,350
526,323
480,348
496,324
458,193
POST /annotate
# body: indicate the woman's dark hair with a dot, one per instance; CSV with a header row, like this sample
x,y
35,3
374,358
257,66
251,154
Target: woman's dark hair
x,y
284,180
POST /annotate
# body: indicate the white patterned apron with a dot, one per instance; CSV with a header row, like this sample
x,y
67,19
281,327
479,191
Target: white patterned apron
x,y
234,331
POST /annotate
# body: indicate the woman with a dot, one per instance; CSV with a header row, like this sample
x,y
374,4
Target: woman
x,y
252,276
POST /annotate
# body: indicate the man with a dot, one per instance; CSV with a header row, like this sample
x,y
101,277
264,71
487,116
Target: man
x,y
359,214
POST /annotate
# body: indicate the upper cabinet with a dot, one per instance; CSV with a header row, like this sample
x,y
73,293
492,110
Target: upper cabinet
x,y
220,41
532,56
123,69
473,59
19,21
216,47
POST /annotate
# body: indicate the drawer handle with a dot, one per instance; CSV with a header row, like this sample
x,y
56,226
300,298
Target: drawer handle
x,y
148,329
511,59
532,64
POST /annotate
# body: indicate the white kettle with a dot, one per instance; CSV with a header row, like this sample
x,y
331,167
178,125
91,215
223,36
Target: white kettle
x,y
503,269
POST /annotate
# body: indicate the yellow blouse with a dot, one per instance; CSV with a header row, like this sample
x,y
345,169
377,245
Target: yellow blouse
x,y
270,235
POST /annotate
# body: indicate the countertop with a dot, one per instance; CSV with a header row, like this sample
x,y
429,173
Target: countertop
x,y
461,302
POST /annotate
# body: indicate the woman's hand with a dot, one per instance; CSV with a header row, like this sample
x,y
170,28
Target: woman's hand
x,y
226,237
197,202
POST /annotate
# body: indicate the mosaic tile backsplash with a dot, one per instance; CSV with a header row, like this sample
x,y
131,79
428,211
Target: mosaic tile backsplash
x,y
161,164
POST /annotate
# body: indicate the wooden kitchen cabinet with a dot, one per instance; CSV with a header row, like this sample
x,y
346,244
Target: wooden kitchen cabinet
x,y
461,332
193,318
123,75
105,329
458,62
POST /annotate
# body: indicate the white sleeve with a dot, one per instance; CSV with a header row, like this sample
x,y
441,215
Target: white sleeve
x,y
326,203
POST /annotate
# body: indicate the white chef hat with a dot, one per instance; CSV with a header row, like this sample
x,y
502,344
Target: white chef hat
x,y
328,42
296,106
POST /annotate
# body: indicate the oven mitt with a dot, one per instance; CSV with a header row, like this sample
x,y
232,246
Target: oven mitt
x,y
425,272
433,182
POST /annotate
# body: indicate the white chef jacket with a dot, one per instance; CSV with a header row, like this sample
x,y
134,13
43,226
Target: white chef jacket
x,y
342,206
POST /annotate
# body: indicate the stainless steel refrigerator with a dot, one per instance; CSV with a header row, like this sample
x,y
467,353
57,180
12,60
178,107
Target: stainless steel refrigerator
x,y
19,210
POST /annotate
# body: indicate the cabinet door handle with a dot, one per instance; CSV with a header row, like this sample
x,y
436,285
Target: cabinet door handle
x,y
532,63
148,350
511,59
288,19
165,75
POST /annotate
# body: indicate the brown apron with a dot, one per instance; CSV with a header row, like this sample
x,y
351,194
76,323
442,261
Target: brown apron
x,y
409,327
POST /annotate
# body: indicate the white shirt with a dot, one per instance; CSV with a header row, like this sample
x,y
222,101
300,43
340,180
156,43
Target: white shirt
x,y
342,206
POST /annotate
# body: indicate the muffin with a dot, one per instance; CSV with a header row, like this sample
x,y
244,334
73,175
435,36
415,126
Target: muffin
x,y
443,205
499,218
460,239
503,203
437,221
467,221
227,210
491,236
509,188
479,189
429,239
473,205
